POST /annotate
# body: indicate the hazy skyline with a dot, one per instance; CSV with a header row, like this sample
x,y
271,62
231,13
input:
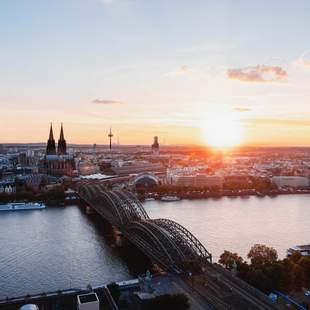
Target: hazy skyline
x,y
177,69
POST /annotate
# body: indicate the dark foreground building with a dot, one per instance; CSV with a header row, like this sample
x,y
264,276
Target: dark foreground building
x,y
57,162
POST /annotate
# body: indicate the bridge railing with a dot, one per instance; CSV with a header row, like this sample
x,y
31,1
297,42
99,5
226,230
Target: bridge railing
x,y
163,240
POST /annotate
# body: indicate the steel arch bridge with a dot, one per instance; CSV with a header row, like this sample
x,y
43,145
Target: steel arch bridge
x,y
164,241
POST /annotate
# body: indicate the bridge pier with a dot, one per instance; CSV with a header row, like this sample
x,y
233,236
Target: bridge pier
x,y
119,238
89,210
165,242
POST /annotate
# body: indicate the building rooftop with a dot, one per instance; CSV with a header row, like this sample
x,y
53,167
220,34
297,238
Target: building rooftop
x,y
91,297
301,247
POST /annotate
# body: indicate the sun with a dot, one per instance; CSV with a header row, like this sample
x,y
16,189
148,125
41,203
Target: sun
x,y
222,131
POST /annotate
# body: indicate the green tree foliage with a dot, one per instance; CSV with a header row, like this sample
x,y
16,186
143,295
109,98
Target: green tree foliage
x,y
227,259
298,277
56,194
168,302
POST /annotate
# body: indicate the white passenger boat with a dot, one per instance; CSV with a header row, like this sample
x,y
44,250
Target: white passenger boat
x,y
18,206
149,199
304,250
170,198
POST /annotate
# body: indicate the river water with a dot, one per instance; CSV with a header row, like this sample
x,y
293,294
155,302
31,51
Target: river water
x,y
55,248
59,248
235,224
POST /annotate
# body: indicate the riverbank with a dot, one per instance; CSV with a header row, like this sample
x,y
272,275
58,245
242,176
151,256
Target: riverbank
x,y
50,199
225,193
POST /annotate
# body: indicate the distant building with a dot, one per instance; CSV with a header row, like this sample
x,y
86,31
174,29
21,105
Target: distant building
x,y
236,180
304,250
94,150
62,144
37,181
155,146
51,145
204,180
145,180
57,162
138,167
290,181
87,168
7,186
110,135
88,301
23,159
198,180
4,163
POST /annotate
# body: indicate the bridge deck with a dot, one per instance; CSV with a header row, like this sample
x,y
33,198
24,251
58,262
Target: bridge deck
x,y
173,247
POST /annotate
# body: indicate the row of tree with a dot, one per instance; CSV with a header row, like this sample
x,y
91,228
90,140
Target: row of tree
x,y
253,184
268,273
56,194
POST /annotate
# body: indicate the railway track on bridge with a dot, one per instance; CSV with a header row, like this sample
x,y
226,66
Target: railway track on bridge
x,y
169,244
166,242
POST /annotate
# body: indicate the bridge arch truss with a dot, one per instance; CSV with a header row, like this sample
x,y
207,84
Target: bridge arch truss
x,y
166,242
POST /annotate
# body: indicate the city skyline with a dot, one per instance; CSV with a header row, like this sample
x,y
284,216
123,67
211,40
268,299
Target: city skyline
x,y
154,154
178,71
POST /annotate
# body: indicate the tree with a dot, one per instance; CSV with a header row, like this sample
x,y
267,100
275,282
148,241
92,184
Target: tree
x,y
261,254
243,270
295,257
279,274
227,259
259,279
298,277
304,262
168,302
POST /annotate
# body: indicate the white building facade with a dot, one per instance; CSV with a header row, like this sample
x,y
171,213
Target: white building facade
x,y
290,181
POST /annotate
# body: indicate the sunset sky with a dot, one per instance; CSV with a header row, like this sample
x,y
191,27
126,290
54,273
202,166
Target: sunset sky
x,y
182,70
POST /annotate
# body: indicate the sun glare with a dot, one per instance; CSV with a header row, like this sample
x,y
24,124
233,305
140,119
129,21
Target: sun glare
x,y
222,131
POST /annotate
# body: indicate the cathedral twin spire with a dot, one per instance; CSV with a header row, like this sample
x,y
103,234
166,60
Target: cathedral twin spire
x,y
62,145
51,145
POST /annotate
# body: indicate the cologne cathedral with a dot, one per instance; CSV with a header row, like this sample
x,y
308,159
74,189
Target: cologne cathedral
x,y
57,162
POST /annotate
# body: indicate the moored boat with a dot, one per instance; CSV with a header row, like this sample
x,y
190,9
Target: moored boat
x,y
18,206
170,198
149,199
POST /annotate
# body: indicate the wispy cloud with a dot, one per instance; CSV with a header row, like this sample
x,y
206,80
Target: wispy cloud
x,y
304,59
181,71
106,101
241,109
186,71
259,73
278,121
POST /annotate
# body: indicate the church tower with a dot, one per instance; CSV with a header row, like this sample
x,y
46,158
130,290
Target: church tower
x,y
62,145
51,146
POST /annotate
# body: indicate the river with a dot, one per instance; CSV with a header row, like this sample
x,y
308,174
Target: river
x,y
235,224
59,248
55,248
